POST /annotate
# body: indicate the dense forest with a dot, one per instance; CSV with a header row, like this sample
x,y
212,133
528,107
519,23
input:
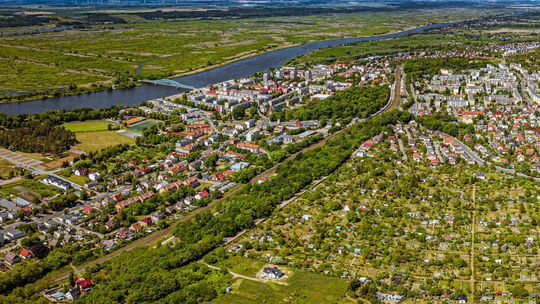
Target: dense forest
x,y
346,104
58,116
36,136
41,133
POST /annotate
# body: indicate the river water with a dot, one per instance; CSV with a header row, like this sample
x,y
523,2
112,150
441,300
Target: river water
x,y
238,69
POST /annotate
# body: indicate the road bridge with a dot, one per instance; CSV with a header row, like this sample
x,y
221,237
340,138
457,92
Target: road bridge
x,y
168,82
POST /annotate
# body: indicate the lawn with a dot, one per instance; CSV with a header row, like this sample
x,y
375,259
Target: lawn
x,y
87,126
242,265
80,180
304,287
97,140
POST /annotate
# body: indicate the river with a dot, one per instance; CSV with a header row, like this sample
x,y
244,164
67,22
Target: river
x,y
241,68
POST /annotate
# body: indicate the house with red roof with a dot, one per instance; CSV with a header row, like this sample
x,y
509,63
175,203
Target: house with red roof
x,y
87,210
368,144
253,148
234,155
201,195
26,209
84,284
26,254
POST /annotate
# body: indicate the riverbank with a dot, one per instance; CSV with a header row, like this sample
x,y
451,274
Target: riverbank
x,y
108,86
238,68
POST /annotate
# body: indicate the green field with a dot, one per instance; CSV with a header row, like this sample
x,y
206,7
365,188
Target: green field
x,y
25,76
87,126
304,287
242,265
97,140
80,180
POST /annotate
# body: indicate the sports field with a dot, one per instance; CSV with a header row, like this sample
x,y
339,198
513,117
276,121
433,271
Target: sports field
x,y
145,124
87,126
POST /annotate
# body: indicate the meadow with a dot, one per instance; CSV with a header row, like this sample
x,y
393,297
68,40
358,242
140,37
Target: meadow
x,y
438,40
303,287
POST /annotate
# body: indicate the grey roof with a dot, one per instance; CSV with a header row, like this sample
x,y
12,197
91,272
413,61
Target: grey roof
x,y
8,205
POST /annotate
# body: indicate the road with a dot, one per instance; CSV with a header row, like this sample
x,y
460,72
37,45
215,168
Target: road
x,y
402,149
241,276
480,161
523,86
9,181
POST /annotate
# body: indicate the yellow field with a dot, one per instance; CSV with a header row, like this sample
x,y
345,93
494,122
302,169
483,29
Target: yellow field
x,y
97,140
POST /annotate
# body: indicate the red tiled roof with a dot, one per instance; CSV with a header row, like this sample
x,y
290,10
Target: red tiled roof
x,y
26,253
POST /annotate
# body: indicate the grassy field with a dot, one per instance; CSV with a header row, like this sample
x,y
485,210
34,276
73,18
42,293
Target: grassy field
x,y
98,54
242,265
80,180
304,287
87,126
97,140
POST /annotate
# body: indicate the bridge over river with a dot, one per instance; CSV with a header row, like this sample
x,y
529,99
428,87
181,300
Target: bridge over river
x,y
169,83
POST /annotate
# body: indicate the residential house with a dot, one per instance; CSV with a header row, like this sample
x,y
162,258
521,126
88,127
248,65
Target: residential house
x,y
12,258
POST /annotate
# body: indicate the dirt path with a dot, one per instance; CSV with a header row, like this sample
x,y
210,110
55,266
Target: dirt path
x,y
396,91
241,276
473,282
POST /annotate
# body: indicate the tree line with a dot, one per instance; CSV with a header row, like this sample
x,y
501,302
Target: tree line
x,y
35,136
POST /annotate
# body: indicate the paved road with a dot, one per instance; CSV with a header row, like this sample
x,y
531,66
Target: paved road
x,y
523,86
9,181
480,161
402,148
